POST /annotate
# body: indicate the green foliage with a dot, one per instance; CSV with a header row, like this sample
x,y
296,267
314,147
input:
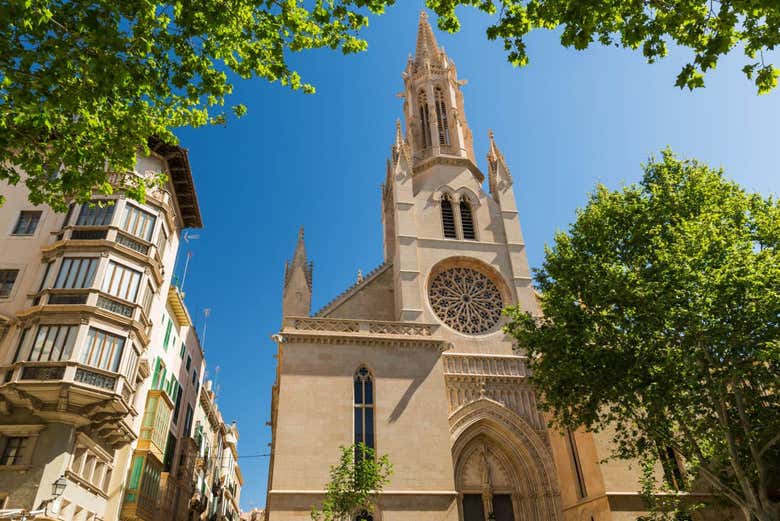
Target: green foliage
x,y
709,28
661,320
354,483
84,84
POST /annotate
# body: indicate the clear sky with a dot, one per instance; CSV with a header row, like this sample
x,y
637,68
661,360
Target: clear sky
x,y
566,122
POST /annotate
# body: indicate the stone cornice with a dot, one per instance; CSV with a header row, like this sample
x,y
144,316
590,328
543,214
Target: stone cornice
x,y
336,338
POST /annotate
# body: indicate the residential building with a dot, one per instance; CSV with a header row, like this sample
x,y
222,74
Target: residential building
x,y
256,514
217,477
100,364
412,360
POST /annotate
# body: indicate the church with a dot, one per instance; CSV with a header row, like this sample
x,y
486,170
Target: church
x,y
412,359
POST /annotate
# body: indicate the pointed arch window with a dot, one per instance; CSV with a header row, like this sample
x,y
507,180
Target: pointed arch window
x,y
441,117
466,220
364,409
448,218
425,122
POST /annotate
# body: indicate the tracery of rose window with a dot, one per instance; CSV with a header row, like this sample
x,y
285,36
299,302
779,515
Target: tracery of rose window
x,y
466,300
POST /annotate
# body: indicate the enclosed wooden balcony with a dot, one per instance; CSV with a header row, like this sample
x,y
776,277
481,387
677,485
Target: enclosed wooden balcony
x,y
155,424
142,495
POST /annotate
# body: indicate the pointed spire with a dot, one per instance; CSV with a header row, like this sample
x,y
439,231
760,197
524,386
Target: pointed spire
x,y
298,260
493,151
399,137
427,48
497,169
296,295
300,249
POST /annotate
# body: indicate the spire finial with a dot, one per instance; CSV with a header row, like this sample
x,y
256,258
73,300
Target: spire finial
x,y
427,48
399,138
493,151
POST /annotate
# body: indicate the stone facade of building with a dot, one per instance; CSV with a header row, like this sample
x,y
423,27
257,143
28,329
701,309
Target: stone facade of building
x,y
101,368
412,359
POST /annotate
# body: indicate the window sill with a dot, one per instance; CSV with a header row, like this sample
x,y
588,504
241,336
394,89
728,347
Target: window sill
x,y
83,483
15,467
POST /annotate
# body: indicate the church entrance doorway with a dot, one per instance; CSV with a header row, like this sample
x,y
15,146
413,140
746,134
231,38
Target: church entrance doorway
x,y
502,507
472,507
503,470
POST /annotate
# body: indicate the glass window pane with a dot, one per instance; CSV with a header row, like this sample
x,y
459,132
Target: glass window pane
x,y
369,389
358,424
358,391
369,441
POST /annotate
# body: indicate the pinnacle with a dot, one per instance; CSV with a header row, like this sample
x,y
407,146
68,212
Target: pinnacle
x,y
426,41
299,257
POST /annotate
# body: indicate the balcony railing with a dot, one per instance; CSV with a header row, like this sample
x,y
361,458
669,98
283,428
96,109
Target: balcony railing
x,y
88,385
92,297
334,325
70,371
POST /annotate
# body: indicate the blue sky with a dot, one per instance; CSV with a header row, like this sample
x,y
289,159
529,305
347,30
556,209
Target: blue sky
x,y
566,122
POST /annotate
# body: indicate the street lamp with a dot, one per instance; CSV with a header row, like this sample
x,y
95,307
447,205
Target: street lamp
x,y
58,487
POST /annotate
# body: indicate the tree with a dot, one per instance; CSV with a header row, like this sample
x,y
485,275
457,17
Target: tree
x,y
85,84
661,314
354,482
709,28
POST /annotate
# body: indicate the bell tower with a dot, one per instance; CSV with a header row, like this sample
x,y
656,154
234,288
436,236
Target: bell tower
x,y
435,119
439,219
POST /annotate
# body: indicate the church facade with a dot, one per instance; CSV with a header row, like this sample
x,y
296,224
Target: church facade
x,y
412,360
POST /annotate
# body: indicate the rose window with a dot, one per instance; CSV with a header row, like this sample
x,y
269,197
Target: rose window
x,y
466,300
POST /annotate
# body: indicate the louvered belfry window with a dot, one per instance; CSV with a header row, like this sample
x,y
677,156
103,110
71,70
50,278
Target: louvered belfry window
x,y
425,121
441,118
448,218
467,221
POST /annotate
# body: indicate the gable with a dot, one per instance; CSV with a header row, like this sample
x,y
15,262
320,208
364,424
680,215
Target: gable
x,y
371,299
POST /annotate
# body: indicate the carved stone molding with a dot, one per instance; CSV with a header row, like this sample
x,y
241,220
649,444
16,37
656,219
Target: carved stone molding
x,y
517,448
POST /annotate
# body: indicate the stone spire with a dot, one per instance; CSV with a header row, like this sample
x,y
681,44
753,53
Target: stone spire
x,y
435,118
296,296
427,49
499,176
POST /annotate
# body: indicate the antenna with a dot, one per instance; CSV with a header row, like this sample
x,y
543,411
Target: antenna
x,y
216,379
206,313
187,238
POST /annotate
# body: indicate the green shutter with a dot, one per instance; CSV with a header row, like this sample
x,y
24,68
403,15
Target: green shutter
x,y
167,334
183,348
157,367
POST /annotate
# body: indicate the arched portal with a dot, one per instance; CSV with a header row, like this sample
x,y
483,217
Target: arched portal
x,y
502,466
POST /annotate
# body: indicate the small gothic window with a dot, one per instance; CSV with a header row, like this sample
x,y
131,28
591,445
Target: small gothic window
x,y
441,118
466,220
448,218
425,123
364,409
